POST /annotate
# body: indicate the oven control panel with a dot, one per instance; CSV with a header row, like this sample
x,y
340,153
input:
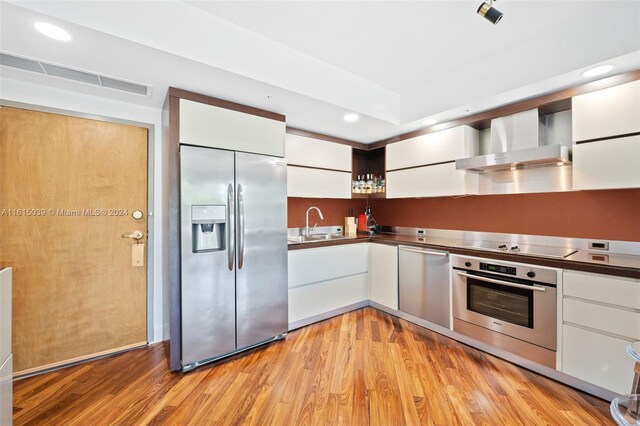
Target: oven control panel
x,y
490,267
522,271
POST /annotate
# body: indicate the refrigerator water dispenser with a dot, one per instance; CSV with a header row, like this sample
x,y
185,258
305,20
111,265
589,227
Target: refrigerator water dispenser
x,y
208,227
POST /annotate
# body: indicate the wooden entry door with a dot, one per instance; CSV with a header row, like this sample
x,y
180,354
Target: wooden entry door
x,y
68,188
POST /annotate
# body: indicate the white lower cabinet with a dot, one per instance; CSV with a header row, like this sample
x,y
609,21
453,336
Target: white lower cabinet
x,y
6,392
600,318
326,296
326,279
597,358
6,357
383,274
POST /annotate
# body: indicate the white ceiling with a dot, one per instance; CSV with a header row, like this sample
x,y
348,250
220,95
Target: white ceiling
x,y
393,62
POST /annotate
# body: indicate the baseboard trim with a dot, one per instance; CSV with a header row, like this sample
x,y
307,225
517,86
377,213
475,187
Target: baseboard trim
x,y
74,361
158,333
326,315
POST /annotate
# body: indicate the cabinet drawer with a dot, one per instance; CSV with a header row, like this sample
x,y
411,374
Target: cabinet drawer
x,y
207,125
621,322
445,145
597,359
316,299
608,112
612,163
602,288
317,183
311,152
326,263
428,181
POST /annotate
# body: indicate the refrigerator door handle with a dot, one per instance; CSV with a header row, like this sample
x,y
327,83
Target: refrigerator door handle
x,y
240,227
231,222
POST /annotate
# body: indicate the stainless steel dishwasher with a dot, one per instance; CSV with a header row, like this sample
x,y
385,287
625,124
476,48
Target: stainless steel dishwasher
x,y
424,284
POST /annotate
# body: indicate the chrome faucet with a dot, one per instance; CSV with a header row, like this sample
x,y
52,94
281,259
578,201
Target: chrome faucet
x,y
306,228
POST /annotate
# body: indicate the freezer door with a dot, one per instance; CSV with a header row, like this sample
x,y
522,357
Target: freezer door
x,y
261,275
207,252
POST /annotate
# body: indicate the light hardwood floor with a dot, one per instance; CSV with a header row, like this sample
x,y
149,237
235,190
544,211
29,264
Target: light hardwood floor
x,y
364,367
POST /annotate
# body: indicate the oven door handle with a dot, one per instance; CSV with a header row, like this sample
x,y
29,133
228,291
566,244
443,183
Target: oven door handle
x,y
506,283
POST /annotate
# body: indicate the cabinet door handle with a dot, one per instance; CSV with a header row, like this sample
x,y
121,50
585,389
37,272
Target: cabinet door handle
x,y
433,253
504,283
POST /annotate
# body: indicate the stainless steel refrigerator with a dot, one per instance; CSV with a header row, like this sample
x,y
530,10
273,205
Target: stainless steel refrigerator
x,y
233,251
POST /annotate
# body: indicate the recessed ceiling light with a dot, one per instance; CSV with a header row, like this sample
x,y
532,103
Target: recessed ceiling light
x,y
351,117
429,122
52,31
602,69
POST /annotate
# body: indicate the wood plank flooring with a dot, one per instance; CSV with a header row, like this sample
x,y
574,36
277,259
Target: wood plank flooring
x,y
361,368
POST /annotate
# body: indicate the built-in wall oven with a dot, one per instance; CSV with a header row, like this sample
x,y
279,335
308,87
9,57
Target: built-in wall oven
x,y
508,305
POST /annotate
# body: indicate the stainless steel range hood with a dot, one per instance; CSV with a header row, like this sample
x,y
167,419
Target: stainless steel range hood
x,y
517,141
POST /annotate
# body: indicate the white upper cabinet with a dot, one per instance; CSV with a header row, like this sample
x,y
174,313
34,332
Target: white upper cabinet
x,y
303,151
439,180
612,117
446,145
317,168
317,183
424,166
607,164
207,125
605,113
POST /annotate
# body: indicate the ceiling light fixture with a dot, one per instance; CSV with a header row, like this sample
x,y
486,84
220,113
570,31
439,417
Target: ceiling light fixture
x,y
490,13
599,70
52,31
351,117
429,122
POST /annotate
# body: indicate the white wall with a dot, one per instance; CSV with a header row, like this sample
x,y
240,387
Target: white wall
x,y
44,96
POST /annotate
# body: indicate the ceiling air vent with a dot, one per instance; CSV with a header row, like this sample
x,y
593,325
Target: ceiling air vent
x,y
70,74
123,85
22,63
40,67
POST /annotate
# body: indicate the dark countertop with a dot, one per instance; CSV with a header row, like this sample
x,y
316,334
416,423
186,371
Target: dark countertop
x,y
327,243
577,262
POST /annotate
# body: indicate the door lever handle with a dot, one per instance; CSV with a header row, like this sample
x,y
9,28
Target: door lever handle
x,y
135,235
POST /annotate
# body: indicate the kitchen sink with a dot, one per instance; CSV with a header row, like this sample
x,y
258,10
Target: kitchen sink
x,y
315,238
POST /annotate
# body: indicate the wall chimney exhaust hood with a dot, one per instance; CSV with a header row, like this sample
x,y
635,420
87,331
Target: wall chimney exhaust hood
x,y
517,141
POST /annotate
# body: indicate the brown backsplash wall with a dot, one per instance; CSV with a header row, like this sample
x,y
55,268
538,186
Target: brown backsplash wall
x,y
333,210
610,214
